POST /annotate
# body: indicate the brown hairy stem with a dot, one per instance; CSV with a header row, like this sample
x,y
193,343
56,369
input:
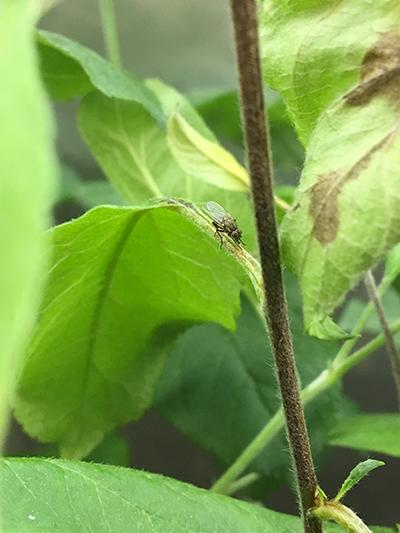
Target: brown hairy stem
x,y
275,307
389,339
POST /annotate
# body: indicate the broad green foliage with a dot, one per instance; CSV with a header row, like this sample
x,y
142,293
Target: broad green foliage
x,y
134,153
305,46
69,69
130,147
356,475
339,83
222,392
124,283
27,173
372,433
58,496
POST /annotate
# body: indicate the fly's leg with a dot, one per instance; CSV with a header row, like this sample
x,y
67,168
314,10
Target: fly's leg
x,y
218,230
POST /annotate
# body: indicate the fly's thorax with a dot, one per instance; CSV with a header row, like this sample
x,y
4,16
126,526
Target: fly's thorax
x,y
229,224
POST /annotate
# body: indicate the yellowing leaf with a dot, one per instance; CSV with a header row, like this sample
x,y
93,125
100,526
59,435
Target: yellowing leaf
x,y
204,159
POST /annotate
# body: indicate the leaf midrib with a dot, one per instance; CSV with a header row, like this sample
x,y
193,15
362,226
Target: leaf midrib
x,y
107,280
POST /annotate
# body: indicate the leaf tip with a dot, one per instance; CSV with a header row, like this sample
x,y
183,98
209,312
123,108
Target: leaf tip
x,y
327,329
356,475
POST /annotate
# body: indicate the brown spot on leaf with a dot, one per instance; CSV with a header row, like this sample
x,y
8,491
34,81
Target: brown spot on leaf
x,y
325,213
380,72
324,193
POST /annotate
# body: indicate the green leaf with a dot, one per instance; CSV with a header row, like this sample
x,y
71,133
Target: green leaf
x,y
204,159
70,69
59,496
134,154
372,433
222,392
130,147
63,77
345,108
123,283
356,475
112,450
288,153
221,112
87,193
27,176
55,495
312,65
172,102
326,329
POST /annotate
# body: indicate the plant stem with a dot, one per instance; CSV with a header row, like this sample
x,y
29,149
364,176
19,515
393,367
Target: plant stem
x,y
281,203
243,482
390,344
244,14
324,381
110,32
254,448
361,322
342,515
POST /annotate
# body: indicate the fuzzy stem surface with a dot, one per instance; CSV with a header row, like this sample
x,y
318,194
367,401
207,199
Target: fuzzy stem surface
x,y
244,15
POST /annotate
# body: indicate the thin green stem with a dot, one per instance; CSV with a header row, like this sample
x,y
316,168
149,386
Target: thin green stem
x,y
110,32
363,352
326,379
256,446
360,324
391,347
243,482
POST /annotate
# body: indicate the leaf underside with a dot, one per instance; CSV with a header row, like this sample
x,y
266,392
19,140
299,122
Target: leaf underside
x,y
345,106
123,283
373,433
222,393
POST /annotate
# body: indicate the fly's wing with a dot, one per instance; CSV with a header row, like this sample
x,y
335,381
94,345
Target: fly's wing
x,y
216,211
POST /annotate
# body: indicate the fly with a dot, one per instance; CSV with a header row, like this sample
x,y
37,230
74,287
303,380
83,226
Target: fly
x,y
223,222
